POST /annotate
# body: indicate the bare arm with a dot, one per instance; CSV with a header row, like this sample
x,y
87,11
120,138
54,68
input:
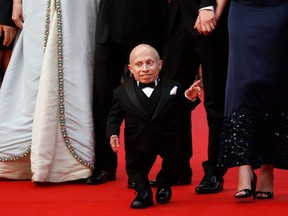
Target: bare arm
x,y
17,14
220,8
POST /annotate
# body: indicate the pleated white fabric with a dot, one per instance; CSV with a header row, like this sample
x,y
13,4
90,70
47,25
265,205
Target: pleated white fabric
x,y
62,146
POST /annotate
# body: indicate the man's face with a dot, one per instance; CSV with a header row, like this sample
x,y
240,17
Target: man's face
x,y
145,64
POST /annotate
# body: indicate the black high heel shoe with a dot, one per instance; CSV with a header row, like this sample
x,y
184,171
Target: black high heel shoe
x,y
245,193
263,195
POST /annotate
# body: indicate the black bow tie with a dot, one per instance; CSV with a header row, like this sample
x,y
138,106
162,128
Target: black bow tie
x,y
144,85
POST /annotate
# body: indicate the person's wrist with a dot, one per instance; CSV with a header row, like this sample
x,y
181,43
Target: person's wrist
x,y
211,8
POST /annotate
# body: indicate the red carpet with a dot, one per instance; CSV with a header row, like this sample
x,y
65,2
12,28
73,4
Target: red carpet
x,y
114,198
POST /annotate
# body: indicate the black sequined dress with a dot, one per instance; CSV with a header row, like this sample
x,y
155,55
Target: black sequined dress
x,y
255,129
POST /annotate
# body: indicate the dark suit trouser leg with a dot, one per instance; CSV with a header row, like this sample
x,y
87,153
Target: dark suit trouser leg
x,y
109,66
182,64
213,52
139,165
185,54
165,176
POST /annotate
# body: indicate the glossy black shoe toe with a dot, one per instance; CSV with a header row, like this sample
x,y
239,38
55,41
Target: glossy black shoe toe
x,y
210,184
100,177
163,195
143,200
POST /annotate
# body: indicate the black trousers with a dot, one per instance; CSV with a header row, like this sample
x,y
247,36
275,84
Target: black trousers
x,y
185,53
139,165
110,65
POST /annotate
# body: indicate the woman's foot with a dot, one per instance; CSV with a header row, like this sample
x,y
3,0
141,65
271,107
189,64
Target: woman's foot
x,y
263,195
247,182
265,187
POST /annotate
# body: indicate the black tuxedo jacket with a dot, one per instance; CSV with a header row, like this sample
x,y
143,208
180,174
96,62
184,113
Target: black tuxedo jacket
x,y
143,133
189,11
131,22
6,12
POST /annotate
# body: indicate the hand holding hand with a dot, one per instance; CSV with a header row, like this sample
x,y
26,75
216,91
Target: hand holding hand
x,y
206,22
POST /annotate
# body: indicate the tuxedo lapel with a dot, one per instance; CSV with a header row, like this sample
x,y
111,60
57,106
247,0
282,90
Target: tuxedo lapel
x,y
131,92
163,99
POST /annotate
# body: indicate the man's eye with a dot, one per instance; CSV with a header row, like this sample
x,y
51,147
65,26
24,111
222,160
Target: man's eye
x,y
138,65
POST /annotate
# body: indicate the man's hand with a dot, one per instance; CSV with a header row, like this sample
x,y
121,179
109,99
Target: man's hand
x,y
9,34
194,91
114,143
206,22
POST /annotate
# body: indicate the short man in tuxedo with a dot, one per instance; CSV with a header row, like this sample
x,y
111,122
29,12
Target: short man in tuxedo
x,y
121,25
150,107
198,36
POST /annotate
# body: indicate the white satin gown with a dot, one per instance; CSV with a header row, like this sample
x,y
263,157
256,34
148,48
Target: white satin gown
x,y
46,123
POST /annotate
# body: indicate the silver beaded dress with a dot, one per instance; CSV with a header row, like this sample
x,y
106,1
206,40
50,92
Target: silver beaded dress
x,y
46,123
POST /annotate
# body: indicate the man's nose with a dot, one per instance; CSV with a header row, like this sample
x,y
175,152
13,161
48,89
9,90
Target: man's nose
x,y
145,67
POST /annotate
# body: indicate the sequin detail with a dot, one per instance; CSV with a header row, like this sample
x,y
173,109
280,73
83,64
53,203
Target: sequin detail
x,y
254,139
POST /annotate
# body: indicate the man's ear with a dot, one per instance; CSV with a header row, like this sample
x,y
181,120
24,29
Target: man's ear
x,y
160,64
129,67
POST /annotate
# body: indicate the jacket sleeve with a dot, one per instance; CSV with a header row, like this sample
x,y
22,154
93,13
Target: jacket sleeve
x,y
115,118
6,12
205,3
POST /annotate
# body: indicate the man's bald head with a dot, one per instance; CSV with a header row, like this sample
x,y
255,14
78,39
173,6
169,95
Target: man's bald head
x,y
145,63
142,48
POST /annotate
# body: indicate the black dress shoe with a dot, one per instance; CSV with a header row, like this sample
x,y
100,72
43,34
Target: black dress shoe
x,y
163,195
210,184
100,177
131,183
143,199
